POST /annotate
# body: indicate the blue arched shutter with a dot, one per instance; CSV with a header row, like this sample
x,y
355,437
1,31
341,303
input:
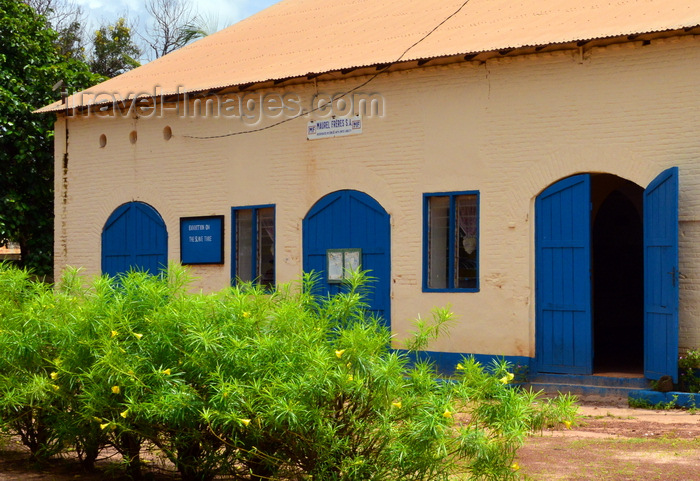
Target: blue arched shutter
x,y
134,237
349,219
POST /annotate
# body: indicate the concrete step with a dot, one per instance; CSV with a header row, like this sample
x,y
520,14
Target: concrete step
x,y
598,387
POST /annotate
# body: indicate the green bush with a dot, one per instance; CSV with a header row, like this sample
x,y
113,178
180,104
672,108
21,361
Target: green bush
x,y
249,384
29,401
689,368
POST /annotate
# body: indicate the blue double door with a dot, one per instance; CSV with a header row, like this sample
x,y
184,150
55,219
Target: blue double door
x,y
349,222
563,271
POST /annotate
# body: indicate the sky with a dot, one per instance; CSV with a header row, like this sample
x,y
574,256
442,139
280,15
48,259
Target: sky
x,y
223,12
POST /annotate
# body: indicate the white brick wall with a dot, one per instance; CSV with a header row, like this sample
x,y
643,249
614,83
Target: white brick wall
x,y
507,128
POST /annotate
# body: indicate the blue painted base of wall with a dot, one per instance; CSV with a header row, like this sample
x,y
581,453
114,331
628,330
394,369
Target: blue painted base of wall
x,y
446,362
579,385
680,399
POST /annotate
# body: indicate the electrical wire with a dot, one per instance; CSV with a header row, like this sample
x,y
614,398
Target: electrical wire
x,y
344,94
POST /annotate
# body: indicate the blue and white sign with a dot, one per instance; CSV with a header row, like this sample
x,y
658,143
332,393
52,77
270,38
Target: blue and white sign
x,y
202,240
327,128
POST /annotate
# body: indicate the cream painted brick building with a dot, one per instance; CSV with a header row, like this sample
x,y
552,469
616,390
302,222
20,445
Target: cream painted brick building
x,y
496,130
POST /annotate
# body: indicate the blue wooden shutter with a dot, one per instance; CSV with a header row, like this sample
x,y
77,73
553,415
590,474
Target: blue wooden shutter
x,y
661,276
563,286
134,237
116,240
349,219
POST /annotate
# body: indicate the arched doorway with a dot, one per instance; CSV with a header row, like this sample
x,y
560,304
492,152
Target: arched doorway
x,y
345,224
606,270
134,237
617,275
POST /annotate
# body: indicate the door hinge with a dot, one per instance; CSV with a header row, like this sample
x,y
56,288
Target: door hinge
x,y
675,275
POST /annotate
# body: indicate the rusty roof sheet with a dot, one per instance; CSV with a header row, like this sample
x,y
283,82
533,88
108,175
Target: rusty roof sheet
x,y
295,38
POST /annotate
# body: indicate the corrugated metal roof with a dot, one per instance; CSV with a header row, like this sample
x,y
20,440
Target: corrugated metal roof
x,y
295,38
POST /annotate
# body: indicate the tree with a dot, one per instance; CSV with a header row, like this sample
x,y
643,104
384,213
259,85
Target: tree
x,y
67,19
30,65
114,51
171,26
70,40
202,26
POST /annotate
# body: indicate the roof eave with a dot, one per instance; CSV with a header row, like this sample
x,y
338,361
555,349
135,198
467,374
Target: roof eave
x,y
644,38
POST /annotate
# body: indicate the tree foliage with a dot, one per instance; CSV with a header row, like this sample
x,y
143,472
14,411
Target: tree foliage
x,y
114,51
30,65
170,24
70,40
67,19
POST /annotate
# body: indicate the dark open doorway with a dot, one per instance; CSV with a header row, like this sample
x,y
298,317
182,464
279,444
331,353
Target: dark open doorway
x,y
617,275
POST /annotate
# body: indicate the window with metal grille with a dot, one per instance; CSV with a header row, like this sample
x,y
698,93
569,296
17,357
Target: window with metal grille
x,y
451,241
253,245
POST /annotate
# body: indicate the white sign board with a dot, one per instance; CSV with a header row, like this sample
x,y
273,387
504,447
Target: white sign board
x,y
323,129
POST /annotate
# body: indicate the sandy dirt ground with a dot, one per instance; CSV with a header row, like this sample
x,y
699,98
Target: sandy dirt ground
x,y
617,443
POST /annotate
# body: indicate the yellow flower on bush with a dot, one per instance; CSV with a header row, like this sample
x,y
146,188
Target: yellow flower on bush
x,y
397,404
447,413
507,378
167,372
245,421
104,426
567,424
350,378
460,367
246,314
138,336
515,467
54,375
124,414
339,353
114,334
116,390
54,387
